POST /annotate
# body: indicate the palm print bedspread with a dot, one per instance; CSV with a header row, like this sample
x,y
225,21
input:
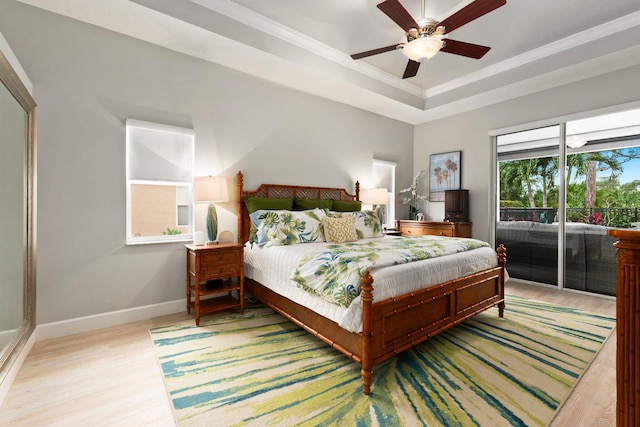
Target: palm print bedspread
x,y
334,272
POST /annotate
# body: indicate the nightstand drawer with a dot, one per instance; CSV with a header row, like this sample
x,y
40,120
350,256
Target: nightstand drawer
x,y
220,258
219,272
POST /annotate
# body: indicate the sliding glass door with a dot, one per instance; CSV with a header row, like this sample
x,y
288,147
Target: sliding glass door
x,y
528,164
603,191
554,224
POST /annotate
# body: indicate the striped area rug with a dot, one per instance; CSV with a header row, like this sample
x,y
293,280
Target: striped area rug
x,y
260,369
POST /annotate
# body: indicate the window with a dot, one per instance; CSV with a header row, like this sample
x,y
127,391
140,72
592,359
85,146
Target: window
x,y
160,163
384,176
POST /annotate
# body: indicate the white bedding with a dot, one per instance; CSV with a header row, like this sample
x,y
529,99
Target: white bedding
x,y
273,267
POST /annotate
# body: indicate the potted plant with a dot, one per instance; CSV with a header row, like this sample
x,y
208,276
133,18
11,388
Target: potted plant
x,y
413,196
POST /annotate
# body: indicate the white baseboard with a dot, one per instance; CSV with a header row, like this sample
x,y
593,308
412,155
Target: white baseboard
x,y
97,321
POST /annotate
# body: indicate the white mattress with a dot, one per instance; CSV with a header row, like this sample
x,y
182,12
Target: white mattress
x,y
273,267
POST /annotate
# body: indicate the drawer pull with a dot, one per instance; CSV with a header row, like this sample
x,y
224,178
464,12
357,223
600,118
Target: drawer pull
x,y
442,233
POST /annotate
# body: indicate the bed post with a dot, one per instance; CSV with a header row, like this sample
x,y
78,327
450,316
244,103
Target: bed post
x,y
357,190
239,184
366,296
502,261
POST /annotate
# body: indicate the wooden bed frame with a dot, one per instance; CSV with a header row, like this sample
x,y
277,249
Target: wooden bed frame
x,y
391,326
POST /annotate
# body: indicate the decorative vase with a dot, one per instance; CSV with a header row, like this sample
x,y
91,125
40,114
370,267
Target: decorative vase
x,y
212,224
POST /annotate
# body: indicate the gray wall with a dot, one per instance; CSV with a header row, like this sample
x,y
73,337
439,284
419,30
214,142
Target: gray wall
x,y
88,81
469,132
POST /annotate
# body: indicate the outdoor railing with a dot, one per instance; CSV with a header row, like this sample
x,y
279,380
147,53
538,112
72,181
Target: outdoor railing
x,y
610,217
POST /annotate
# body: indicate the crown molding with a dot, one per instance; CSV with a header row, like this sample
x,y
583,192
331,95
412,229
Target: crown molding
x,y
608,28
135,20
615,61
259,22
246,16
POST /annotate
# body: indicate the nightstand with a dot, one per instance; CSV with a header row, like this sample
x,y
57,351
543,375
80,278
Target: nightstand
x,y
214,272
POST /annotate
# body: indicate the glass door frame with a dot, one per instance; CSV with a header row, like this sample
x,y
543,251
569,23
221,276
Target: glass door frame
x,y
494,198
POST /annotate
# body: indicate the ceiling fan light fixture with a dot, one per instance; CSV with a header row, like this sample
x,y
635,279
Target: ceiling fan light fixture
x,y
422,48
575,142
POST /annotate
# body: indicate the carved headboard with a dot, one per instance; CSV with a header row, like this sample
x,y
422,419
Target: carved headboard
x,y
279,191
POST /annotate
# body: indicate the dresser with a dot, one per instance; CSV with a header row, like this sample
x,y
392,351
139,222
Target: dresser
x,y
435,228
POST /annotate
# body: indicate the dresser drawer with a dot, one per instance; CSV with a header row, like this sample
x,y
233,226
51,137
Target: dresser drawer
x,y
434,228
413,231
438,231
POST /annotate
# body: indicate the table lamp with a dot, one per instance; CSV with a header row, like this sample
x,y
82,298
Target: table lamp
x,y
210,189
378,198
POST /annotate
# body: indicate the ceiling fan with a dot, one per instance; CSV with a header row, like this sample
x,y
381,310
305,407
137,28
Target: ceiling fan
x,y
428,36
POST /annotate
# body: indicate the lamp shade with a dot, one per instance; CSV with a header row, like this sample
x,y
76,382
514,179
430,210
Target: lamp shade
x,y
375,196
422,48
210,189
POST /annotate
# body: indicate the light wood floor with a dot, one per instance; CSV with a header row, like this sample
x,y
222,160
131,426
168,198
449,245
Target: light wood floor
x,y
110,376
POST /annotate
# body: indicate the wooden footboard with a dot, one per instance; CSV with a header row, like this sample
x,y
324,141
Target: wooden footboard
x,y
395,325
390,326
400,323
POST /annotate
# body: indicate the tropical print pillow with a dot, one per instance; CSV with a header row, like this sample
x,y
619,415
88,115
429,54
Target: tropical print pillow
x,y
284,227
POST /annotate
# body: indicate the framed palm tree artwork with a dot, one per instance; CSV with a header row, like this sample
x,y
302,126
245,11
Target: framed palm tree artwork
x,y
445,171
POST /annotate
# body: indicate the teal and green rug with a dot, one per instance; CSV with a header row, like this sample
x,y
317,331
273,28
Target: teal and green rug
x,y
260,369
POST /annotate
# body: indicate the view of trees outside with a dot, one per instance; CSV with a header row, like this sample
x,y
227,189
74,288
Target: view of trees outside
x,y
602,176
599,189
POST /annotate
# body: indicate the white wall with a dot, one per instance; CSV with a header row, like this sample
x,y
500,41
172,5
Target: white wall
x,y
88,81
469,132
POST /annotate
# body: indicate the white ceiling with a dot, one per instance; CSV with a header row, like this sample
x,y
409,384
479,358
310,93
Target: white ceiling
x,y
305,44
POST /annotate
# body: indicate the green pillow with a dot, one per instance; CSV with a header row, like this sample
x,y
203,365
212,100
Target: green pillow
x,y
258,203
306,204
347,206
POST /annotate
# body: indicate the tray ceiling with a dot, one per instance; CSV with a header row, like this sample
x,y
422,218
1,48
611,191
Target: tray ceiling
x,y
306,44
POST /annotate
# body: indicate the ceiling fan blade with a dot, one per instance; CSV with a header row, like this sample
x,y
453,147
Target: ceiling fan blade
x,y
470,12
374,51
470,50
411,70
398,14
